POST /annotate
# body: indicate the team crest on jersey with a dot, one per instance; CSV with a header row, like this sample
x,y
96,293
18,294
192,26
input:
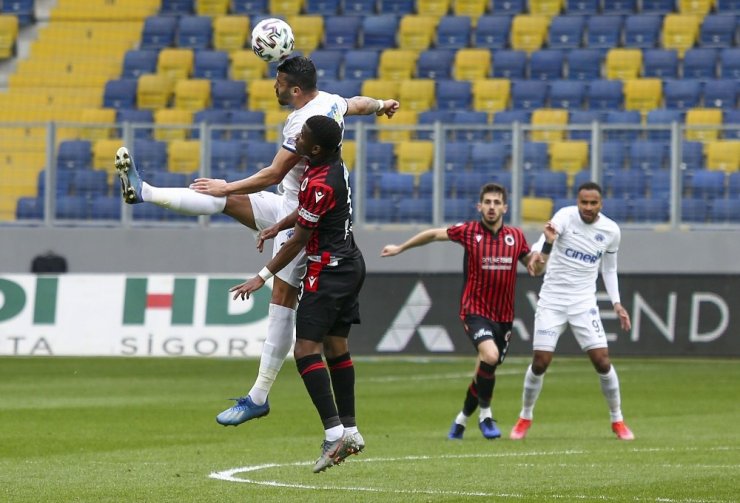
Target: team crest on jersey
x,y
478,237
509,240
304,184
599,237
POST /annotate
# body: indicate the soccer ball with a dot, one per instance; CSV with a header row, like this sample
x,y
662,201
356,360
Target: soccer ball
x,y
272,39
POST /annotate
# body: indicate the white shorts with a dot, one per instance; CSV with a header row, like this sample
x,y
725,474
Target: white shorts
x,y
586,325
268,209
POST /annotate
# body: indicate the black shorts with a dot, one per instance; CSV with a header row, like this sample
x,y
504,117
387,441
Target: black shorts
x,y
479,329
329,303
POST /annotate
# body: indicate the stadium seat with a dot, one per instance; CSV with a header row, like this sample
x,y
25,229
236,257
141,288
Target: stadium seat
x,y
721,93
308,32
436,8
700,64
230,33
454,95
415,157
150,155
733,185
546,64
612,155
396,185
459,210
341,32
259,154
453,32
491,95
140,120
381,210
643,31
509,64
194,32
87,182
697,117
707,184
605,95
469,118
183,156
692,155
535,156
472,64
361,64
584,64
680,32
284,8
569,156
582,7
261,95
619,210
492,32
723,155
435,64
175,64
547,8
681,94
657,6
214,119
398,7
328,63
247,118
724,211
620,7
659,183
192,94
352,121
379,157
120,94
322,7
73,208
137,62
397,64
359,7
97,120
401,118
211,65
486,156
694,210
456,156
158,32
552,184
567,94
74,155
416,33
566,32
30,208
664,117
177,124
507,118
416,94
621,118
649,210
509,6
623,63
380,87
603,32
274,123
23,10
626,184
245,67
718,30
660,63
642,94
467,185
536,209
474,9
379,31
528,94
102,153
647,155
177,7
226,155
228,94
211,8
528,33
585,118
700,7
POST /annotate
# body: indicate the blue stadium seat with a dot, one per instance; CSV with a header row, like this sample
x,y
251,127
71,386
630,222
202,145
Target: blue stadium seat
x,y
259,154
322,7
724,210
85,182
177,7
24,10
379,32
73,208
467,185
194,32
694,210
382,210
341,32
613,155
149,213
415,210
535,156
351,121
396,185
429,117
492,31
509,64
74,154
61,181
648,154
659,183
585,117
681,94
528,94
139,119
454,95
603,32
626,183
583,7
228,94
732,117
662,116
346,87
718,30
328,63
361,64
453,32
546,64
158,32
150,155
707,184
642,30
216,118
728,6
508,6
552,184
721,93
120,94
622,117
507,118
249,7
359,7
168,179
618,210
660,63
211,65
605,95
568,94
105,207
619,7
469,117
226,154
584,64
247,118
379,157
566,32
457,156
426,185
579,179
29,208
398,7
692,155
459,210
137,62
657,6
650,210
560,203
700,64
733,185
435,64
488,156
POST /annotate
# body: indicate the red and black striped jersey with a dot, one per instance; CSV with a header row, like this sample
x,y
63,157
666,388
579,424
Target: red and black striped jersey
x,y
325,206
490,267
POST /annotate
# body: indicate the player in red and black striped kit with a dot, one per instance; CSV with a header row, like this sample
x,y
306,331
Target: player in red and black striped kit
x,y
492,251
335,274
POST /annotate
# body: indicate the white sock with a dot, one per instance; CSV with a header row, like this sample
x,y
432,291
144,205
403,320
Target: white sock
x,y
350,430
334,433
532,388
183,200
610,388
485,414
461,419
279,340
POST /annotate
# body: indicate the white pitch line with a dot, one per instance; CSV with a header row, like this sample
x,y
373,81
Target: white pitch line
x,y
230,476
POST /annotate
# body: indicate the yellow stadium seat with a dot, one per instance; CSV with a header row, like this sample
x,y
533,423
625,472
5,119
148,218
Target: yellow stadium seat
x,y
103,153
8,35
175,64
246,66
415,156
175,124
285,8
349,153
696,117
397,64
274,120
103,10
472,64
183,156
700,7
436,8
545,7
401,118
230,33
724,155
308,31
416,32
622,64
211,7
569,156
262,95
193,94
416,94
99,120
549,117
471,8
388,89
528,32
536,209
680,32
152,91
491,95
643,94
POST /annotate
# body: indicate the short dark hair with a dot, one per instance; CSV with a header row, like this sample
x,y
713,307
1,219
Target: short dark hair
x,y
299,71
493,187
589,186
325,132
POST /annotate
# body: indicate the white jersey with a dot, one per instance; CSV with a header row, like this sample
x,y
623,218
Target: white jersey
x,y
330,105
575,259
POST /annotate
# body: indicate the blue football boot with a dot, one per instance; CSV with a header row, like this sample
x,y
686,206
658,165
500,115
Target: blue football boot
x,y
456,431
244,410
489,428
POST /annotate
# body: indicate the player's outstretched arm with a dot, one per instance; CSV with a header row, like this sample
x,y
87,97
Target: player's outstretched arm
x,y
362,105
273,230
420,239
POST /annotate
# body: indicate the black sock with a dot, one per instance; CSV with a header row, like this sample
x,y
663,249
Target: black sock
x,y
471,399
485,381
316,378
342,373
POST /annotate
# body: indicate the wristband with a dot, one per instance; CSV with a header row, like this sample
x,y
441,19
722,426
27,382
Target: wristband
x,y
265,274
381,105
546,248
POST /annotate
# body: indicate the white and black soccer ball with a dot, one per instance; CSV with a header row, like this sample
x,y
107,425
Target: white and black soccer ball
x,y
272,39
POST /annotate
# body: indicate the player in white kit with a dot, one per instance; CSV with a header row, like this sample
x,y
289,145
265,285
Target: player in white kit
x,y
575,244
247,202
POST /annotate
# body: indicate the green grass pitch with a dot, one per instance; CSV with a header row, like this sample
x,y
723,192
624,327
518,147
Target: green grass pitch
x,y
144,430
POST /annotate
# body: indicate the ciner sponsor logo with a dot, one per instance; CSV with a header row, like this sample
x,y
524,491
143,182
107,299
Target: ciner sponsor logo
x,y
583,257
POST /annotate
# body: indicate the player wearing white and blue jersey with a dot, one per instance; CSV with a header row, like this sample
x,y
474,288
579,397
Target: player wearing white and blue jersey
x,y
577,242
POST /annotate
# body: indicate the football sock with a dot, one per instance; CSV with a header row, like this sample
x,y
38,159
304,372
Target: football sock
x,y
334,433
471,399
342,373
317,382
280,324
485,413
351,429
610,388
485,380
183,200
461,418
532,388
